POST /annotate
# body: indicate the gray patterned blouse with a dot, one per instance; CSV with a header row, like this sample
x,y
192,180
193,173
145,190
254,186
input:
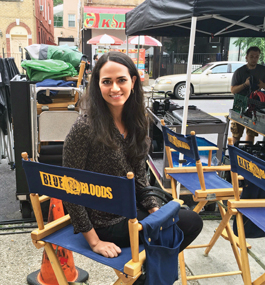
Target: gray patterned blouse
x,y
79,153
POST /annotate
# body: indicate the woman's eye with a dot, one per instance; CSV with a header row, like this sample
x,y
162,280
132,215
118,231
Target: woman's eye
x,y
106,82
123,80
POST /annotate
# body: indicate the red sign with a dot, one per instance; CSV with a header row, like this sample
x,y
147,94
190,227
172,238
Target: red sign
x,y
104,18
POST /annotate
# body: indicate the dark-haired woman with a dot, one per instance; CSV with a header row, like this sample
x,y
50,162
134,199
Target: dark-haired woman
x,y
111,137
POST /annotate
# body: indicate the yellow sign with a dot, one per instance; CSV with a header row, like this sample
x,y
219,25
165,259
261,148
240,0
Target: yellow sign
x,y
177,142
251,167
73,186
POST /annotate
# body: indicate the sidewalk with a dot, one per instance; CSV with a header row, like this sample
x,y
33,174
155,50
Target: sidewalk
x,y
19,258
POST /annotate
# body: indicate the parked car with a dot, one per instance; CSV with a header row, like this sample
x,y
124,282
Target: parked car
x,y
212,78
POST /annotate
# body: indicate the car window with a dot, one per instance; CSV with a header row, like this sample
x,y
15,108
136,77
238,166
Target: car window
x,y
201,69
235,66
222,68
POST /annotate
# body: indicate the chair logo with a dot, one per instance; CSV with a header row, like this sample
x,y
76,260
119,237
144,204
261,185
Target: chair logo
x,y
178,143
73,186
251,167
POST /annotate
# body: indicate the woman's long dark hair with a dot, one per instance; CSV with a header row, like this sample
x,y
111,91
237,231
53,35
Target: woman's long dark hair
x,y
133,114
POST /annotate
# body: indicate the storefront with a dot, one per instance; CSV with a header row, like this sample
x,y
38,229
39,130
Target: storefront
x,y
103,20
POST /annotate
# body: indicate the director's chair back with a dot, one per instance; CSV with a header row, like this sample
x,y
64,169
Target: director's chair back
x,y
205,185
97,191
253,170
201,181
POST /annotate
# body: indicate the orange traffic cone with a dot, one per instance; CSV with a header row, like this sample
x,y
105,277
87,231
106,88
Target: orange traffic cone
x,y
46,276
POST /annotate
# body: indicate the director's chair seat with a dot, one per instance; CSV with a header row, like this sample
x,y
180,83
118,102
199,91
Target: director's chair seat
x,y
253,169
205,185
109,194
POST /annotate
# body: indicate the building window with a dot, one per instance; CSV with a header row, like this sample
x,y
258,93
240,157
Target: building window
x,y
71,20
58,21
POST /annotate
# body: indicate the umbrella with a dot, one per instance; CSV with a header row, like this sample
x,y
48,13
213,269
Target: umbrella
x,y
105,40
144,41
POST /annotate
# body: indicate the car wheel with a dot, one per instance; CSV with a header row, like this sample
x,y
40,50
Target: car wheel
x,y
180,91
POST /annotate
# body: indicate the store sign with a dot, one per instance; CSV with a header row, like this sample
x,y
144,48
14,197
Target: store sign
x,y
104,21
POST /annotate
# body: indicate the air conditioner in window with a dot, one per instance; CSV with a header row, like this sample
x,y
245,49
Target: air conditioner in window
x,y
50,22
41,7
89,2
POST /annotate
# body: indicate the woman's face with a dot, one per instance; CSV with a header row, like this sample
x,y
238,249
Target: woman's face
x,y
115,84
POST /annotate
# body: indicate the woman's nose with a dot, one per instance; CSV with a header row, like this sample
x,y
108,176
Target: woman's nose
x,y
115,87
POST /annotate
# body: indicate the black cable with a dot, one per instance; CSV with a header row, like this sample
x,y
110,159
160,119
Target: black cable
x,y
8,222
18,227
3,234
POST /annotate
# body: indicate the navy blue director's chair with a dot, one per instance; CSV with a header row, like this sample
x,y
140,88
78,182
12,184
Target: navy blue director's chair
x,y
253,170
159,232
205,185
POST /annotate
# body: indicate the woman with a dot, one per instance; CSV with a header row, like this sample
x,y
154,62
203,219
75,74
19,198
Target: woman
x,y
111,138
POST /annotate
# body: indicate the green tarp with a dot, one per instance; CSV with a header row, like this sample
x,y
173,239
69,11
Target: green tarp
x,y
38,70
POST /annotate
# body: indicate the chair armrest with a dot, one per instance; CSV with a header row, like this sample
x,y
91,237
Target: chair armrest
x,y
246,203
194,169
51,228
201,148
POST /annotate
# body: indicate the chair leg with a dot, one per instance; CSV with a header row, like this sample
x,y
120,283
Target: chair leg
x,y
231,237
199,206
182,268
218,232
243,249
56,266
260,280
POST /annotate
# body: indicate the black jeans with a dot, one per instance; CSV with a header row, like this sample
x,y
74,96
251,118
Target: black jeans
x,y
189,222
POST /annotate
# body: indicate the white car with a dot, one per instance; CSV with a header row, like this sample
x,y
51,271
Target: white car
x,y
212,78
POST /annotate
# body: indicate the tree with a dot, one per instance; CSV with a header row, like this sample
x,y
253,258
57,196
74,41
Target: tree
x,y
57,2
245,43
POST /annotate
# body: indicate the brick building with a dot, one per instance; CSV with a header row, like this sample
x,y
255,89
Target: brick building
x,y
23,23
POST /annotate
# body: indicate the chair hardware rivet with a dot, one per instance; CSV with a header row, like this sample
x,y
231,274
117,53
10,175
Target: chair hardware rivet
x,y
161,229
173,220
149,239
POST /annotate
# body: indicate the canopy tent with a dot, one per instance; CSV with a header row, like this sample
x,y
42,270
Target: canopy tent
x,y
238,18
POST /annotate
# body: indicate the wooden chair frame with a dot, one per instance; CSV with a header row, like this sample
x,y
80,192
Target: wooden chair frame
x,y
233,204
132,269
201,196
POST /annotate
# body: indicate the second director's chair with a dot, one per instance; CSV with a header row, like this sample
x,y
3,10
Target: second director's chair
x,y
161,236
205,185
253,170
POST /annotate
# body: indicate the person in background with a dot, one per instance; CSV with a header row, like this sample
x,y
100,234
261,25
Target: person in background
x,y
246,79
95,60
110,137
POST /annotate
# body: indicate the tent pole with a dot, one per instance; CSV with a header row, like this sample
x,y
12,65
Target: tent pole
x,y
187,95
127,45
189,65
138,52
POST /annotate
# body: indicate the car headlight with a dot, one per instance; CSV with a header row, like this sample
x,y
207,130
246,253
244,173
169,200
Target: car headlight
x,y
163,81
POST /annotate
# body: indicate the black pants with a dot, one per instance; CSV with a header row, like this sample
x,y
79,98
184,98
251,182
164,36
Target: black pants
x,y
189,222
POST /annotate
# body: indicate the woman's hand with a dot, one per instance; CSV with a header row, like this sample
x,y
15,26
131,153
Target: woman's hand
x,y
107,249
153,210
